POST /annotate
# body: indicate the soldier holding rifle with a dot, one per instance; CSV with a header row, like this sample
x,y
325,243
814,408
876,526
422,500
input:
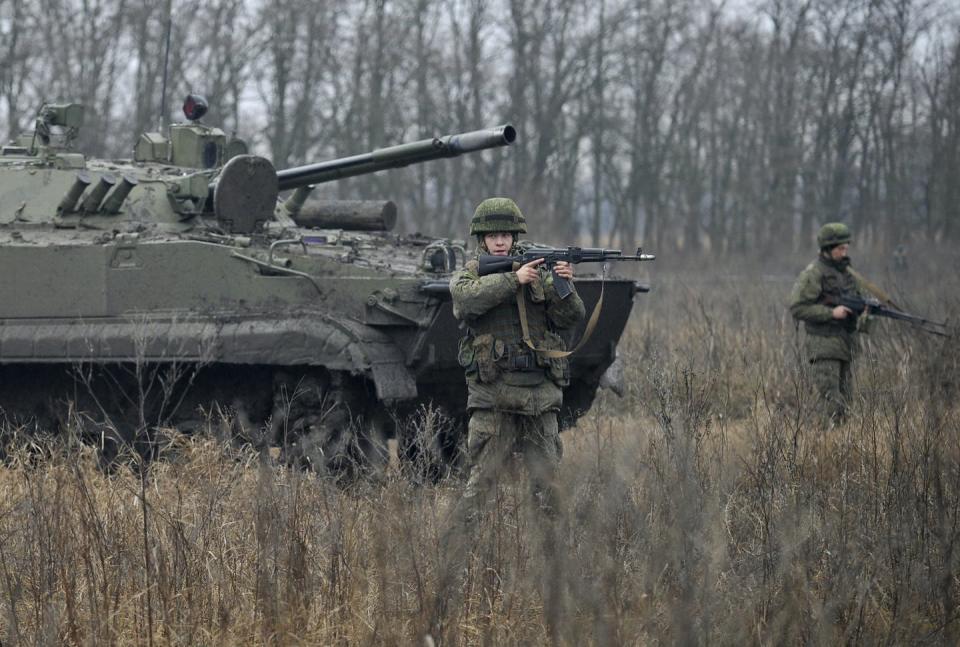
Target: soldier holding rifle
x,y
514,391
515,301
833,301
831,341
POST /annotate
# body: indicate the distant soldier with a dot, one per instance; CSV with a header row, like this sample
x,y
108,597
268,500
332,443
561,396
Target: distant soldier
x,y
831,343
514,391
900,258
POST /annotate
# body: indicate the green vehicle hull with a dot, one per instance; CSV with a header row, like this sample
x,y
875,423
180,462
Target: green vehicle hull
x,y
174,293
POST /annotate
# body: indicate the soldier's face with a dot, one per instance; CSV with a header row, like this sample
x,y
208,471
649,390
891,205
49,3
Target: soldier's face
x,y
839,252
498,243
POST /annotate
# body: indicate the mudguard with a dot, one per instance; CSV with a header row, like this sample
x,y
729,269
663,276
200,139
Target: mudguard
x,y
301,339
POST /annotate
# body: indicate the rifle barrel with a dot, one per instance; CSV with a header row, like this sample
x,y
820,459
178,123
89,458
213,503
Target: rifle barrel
x,y
860,305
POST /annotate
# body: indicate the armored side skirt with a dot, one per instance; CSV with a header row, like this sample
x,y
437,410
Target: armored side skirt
x,y
314,340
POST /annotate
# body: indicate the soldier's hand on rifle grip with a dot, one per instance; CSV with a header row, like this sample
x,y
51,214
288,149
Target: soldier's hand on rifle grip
x,y
528,273
841,312
564,270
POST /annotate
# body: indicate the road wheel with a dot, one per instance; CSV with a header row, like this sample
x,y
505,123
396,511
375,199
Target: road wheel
x,y
329,422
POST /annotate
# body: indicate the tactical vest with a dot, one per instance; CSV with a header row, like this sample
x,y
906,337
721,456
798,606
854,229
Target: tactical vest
x,y
503,324
834,284
494,350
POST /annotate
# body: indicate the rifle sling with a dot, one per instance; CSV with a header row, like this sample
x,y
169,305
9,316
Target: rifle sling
x,y
873,288
553,354
897,312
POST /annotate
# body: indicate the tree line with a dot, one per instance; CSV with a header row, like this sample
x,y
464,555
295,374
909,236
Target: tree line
x,y
682,124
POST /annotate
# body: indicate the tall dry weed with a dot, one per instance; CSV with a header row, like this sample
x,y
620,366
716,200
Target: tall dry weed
x,y
708,505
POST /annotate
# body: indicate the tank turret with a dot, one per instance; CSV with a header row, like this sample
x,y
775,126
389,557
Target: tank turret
x,y
192,145
248,179
195,172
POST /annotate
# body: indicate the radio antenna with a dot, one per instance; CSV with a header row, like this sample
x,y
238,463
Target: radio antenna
x,y
166,64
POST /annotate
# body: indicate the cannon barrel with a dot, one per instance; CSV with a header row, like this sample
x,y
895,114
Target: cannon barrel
x,y
396,156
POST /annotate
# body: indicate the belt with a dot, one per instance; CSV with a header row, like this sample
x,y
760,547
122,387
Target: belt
x,y
519,361
830,330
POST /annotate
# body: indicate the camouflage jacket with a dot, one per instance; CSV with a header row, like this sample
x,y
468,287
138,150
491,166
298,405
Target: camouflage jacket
x,y
827,338
502,372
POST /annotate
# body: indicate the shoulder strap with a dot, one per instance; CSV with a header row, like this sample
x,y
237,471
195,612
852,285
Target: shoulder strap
x,y
873,288
591,325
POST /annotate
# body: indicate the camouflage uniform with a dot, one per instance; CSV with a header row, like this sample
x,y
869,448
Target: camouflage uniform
x,y
514,394
831,344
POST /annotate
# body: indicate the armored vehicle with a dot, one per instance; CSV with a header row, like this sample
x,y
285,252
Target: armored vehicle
x,y
196,280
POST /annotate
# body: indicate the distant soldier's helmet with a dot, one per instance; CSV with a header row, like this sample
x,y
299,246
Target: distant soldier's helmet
x,y
497,214
833,234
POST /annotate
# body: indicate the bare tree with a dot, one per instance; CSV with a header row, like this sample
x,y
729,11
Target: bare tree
x,y
16,58
942,191
294,40
83,42
684,124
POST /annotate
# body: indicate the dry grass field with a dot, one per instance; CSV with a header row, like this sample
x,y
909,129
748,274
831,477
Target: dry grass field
x,y
708,505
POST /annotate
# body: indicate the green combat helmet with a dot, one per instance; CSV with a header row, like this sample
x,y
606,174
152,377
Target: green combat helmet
x,y
497,214
833,234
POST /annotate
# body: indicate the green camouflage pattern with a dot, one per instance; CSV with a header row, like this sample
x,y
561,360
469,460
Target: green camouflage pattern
x,y
830,345
494,437
827,338
494,440
527,400
508,415
832,234
487,304
497,214
833,381
474,295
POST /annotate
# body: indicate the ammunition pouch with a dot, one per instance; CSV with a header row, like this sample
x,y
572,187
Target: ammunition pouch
x,y
487,350
518,358
514,364
491,360
465,355
558,368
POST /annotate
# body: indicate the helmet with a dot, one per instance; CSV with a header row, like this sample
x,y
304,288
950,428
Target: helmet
x,y
833,234
497,214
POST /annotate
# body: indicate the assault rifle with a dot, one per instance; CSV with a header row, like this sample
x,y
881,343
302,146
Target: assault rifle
x,y
870,305
490,264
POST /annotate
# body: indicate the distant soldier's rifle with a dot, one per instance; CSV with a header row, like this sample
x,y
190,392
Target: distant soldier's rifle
x,y
490,264
870,305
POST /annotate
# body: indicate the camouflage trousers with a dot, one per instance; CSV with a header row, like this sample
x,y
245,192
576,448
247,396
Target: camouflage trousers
x,y
495,440
834,384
